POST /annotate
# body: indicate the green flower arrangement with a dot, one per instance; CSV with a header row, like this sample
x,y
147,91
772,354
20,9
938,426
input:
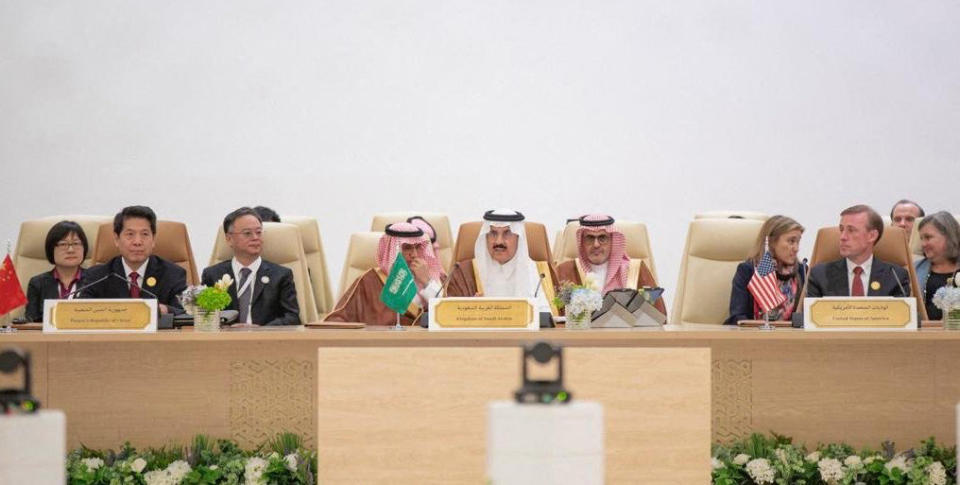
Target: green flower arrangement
x,y
208,299
776,460
282,460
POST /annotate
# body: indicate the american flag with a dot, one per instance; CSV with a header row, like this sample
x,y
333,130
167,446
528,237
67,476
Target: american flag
x,y
764,286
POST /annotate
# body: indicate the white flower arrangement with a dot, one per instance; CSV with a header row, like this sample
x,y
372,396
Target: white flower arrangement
x,y
781,455
741,459
291,460
138,465
937,474
93,463
898,461
253,471
172,475
224,283
852,461
760,471
947,298
831,470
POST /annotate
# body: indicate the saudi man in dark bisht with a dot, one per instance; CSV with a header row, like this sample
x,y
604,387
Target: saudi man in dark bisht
x,y
602,256
361,302
501,266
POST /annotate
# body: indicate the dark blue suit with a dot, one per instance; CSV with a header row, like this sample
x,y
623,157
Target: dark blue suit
x,y
741,301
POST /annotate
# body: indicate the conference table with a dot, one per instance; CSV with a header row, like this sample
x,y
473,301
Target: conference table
x,y
860,387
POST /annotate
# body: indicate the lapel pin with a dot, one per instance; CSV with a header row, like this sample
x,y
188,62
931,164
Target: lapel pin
x,y
875,285
265,279
151,281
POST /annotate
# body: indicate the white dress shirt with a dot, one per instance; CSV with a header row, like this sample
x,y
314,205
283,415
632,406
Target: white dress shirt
x,y
254,267
599,274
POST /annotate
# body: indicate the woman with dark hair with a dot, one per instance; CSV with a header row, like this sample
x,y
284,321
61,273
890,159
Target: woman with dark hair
x,y
66,248
940,240
781,235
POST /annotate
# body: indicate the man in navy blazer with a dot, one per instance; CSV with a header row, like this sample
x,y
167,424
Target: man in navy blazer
x,y
137,273
858,273
263,292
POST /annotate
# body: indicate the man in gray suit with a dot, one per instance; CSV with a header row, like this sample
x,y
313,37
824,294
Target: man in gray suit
x,y
858,273
263,292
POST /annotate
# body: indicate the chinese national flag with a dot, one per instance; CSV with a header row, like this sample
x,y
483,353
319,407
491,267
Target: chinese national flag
x,y
11,295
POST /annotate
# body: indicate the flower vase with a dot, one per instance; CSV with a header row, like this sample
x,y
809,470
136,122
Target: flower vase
x,y
579,322
206,320
951,321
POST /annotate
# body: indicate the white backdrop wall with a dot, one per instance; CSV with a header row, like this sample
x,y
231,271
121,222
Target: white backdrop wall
x,y
650,111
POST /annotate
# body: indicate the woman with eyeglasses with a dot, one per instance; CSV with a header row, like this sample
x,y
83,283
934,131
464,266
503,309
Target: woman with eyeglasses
x,y
66,248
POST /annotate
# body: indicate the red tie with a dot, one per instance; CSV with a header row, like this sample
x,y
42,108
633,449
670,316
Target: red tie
x,y
857,282
135,288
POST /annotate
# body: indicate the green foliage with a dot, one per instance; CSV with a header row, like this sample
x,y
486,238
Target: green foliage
x,y
204,462
928,464
213,299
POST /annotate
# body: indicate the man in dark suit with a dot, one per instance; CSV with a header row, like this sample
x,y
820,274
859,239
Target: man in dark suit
x,y
858,273
137,273
267,294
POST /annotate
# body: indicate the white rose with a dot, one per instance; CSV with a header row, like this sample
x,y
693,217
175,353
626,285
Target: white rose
x,y
852,460
760,471
253,470
92,463
937,473
156,477
831,471
715,463
813,457
741,459
781,455
291,460
138,465
177,470
898,461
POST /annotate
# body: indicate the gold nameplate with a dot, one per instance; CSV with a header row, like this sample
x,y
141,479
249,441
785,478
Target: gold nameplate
x,y
871,313
483,314
100,315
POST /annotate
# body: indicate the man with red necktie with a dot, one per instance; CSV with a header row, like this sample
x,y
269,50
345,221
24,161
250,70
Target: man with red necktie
x,y
858,272
137,273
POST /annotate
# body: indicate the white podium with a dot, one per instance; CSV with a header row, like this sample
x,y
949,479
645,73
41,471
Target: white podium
x,y
556,443
33,448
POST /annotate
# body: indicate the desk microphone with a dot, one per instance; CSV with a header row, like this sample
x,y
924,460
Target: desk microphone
x,y
536,290
148,292
443,284
903,294
88,285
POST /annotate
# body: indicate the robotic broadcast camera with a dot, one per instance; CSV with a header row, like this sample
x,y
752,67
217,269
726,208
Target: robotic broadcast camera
x,y
542,391
17,399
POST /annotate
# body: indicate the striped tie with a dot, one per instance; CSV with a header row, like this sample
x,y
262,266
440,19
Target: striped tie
x,y
243,300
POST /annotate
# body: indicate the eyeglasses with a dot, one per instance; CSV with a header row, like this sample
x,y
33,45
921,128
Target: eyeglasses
x,y
590,239
249,233
69,245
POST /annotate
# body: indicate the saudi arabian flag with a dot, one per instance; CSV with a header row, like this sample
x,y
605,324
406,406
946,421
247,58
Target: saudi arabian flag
x,y
399,289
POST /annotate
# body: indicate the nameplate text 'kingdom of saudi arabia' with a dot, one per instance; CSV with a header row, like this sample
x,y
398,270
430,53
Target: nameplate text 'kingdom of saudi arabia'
x,y
482,313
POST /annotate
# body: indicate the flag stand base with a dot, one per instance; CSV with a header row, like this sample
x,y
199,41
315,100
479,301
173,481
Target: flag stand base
x,y
398,327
